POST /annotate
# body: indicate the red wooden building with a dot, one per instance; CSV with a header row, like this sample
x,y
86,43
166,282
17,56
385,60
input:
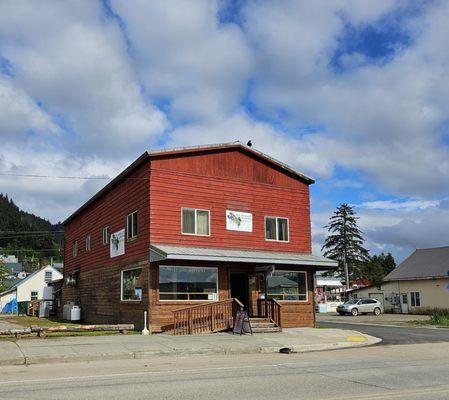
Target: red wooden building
x,y
189,235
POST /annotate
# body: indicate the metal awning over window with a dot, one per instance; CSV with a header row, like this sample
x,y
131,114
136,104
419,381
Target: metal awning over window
x,y
161,252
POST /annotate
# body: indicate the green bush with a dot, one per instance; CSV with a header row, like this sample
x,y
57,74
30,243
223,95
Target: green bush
x,y
440,316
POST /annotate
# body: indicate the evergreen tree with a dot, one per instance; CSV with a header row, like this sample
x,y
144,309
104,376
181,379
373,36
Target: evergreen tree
x,y
377,268
4,274
344,242
22,234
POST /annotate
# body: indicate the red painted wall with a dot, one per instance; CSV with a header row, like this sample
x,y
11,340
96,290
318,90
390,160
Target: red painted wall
x,y
215,180
223,180
110,210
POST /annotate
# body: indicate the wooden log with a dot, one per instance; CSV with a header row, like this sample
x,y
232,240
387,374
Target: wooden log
x,y
15,332
82,328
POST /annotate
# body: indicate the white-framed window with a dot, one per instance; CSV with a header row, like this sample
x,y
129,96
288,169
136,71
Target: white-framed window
x,y
34,295
75,249
276,229
286,286
48,276
415,299
131,285
131,225
106,235
88,243
195,221
188,283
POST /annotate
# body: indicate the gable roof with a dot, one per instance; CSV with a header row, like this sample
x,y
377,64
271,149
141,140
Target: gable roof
x,y
15,268
423,264
193,149
22,281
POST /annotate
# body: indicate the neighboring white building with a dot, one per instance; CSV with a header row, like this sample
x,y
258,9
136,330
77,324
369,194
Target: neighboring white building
x,y
328,293
419,283
9,259
33,287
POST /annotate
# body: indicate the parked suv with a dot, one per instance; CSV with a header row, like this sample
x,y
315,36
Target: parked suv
x,y
364,305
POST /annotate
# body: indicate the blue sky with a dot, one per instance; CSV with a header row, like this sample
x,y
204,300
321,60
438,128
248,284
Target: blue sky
x,y
353,93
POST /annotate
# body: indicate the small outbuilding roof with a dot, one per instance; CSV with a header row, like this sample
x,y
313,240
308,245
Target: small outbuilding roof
x,y
160,252
423,264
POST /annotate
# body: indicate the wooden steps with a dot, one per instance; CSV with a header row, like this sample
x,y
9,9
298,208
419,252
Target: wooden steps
x,y
262,325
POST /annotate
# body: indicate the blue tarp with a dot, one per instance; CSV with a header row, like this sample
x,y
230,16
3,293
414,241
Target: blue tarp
x,y
11,307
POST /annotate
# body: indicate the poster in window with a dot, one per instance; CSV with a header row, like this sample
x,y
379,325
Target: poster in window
x,y
117,243
239,221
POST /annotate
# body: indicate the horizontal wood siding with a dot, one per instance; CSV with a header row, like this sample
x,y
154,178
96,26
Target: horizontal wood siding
x,y
110,210
175,186
294,313
228,163
98,294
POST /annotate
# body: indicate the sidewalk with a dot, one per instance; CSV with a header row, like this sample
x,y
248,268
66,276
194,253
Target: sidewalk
x,y
115,347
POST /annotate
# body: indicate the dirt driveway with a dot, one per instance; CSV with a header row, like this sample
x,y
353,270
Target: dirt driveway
x,y
383,319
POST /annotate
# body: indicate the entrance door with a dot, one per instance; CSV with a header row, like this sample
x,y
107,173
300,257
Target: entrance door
x,y
239,287
404,303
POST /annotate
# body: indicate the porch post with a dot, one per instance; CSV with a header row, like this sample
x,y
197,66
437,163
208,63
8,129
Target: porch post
x,y
265,274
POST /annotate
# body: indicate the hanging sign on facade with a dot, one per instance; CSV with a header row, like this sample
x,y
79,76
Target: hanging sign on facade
x,y
239,221
117,243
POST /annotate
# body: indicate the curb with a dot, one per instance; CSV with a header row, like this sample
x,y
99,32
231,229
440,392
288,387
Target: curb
x,y
68,358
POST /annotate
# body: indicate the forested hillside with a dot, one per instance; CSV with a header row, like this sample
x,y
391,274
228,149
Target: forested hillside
x,y
28,236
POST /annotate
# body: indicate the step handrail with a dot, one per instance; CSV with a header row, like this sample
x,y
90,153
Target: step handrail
x,y
273,310
213,316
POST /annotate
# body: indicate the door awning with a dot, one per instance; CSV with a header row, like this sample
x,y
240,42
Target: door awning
x,y
161,252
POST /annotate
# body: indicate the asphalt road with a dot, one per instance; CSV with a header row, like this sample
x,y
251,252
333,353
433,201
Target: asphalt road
x,y
390,372
395,334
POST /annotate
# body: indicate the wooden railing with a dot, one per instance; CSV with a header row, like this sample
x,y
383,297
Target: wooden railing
x,y
271,310
206,318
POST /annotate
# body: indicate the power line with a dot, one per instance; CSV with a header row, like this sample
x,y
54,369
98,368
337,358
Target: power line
x,y
69,177
30,235
59,250
26,232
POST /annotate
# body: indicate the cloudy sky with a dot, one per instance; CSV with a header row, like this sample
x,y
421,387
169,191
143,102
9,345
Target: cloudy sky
x,y
352,92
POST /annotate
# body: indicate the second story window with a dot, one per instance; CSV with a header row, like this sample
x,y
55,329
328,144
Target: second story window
x,y
75,249
276,229
195,222
48,276
131,225
88,243
106,235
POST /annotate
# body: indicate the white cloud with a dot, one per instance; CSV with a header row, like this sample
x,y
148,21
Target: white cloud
x,y
83,96
183,54
379,118
19,114
74,61
408,205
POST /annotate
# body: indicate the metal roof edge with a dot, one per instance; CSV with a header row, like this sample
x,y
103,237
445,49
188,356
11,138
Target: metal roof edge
x,y
162,255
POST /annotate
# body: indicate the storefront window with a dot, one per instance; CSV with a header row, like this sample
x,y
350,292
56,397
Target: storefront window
x,y
187,283
132,284
286,286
